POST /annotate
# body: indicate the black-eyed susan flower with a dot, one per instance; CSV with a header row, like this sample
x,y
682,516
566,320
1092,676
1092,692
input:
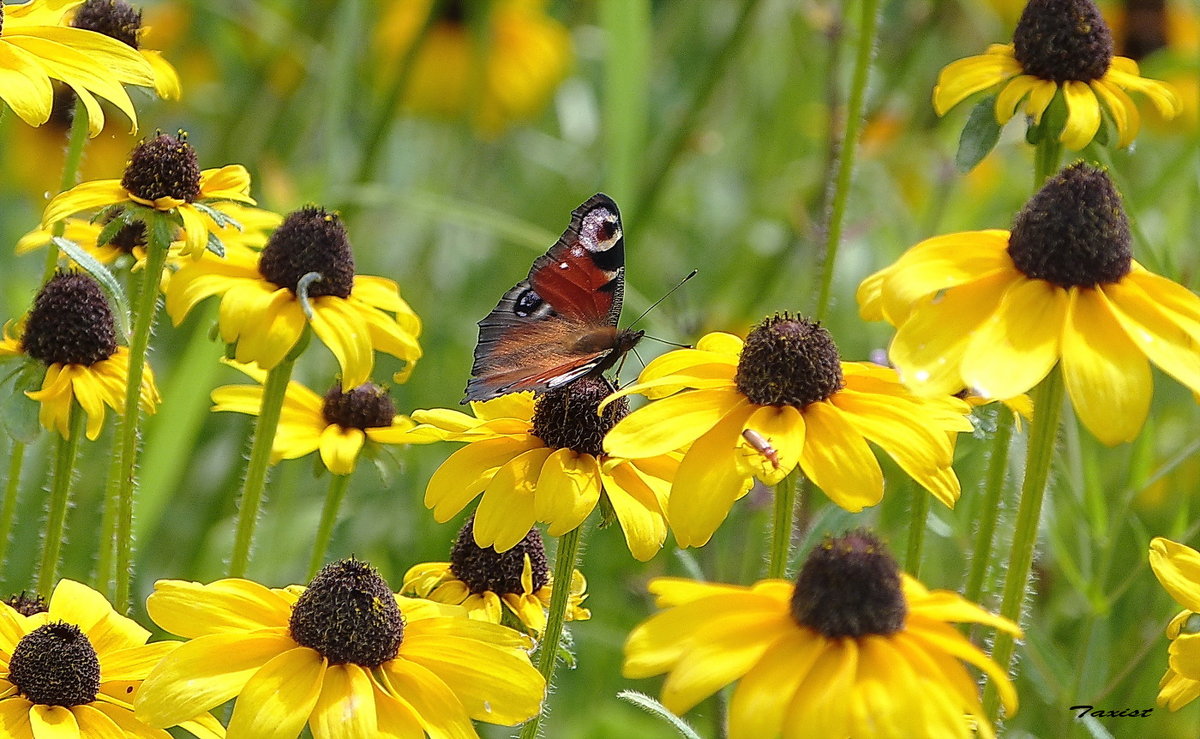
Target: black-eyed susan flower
x,y
162,175
119,20
853,648
995,311
543,461
1059,47
262,313
70,330
248,227
71,669
36,46
1177,567
344,655
339,424
500,587
493,62
778,400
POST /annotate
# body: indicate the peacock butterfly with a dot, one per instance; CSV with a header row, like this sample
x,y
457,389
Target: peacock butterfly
x,y
560,322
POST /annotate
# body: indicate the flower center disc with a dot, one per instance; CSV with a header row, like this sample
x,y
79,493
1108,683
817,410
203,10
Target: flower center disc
x,y
55,665
349,614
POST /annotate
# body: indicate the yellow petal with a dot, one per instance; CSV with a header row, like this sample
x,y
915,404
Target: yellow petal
x,y
1158,316
279,698
669,424
1016,348
820,704
204,673
708,480
1083,114
231,182
195,230
468,471
782,428
506,512
1177,567
1106,375
441,712
636,507
166,79
53,722
494,684
567,490
837,459
763,695
347,335
24,86
960,79
190,609
346,706
1161,94
94,724
133,663
395,719
340,448
83,197
1121,107
1014,92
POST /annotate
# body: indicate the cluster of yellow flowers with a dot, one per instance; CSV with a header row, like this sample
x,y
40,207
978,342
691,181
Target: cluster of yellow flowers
x,y
851,647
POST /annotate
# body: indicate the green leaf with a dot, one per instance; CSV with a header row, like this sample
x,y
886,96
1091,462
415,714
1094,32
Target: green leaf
x,y
121,218
654,708
101,274
979,135
18,412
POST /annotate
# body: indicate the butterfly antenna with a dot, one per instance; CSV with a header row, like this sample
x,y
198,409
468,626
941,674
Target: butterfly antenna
x,y
678,285
675,344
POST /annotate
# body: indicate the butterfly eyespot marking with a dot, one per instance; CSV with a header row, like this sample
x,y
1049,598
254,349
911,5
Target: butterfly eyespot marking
x,y
527,303
601,230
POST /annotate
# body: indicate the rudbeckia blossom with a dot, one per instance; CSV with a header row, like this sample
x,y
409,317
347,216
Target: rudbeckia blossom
x,y
339,424
344,655
853,648
72,669
262,313
1177,567
996,310
543,461
1058,45
494,63
164,175
500,587
70,330
119,20
36,47
781,399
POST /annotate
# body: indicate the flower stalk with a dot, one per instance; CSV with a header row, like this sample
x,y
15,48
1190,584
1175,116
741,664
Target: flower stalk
x,y
274,391
1043,433
782,524
981,552
919,515
12,487
564,565
75,142
338,484
157,244
65,453
848,147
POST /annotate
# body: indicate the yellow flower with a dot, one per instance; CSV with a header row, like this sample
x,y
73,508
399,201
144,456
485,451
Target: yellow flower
x,y
995,311
1058,46
1177,567
264,316
503,71
853,648
248,229
121,21
543,462
486,582
162,175
780,399
70,330
338,424
344,655
73,669
35,47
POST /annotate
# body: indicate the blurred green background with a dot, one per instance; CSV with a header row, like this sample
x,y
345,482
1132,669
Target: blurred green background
x,y
712,124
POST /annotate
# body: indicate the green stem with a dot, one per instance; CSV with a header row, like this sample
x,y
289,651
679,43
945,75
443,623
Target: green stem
x,y
12,487
1046,157
781,530
333,501
106,559
274,392
131,419
864,57
60,498
916,530
1047,406
989,508
564,567
684,131
77,138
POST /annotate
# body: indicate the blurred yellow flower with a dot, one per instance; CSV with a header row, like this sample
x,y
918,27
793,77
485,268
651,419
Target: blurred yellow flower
x,y
1177,567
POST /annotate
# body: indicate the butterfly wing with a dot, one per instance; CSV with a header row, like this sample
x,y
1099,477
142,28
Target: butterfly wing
x,y
559,323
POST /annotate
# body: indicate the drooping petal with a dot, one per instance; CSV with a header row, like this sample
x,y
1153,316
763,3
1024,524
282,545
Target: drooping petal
x,y
1162,95
441,712
346,706
567,490
1083,114
1013,93
494,684
1121,107
708,480
1177,567
1163,319
1017,347
340,447
838,460
24,86
960,79
468,471
636,506
506,511
819,705
83,197
763,695
1107,377
278,699
347,335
